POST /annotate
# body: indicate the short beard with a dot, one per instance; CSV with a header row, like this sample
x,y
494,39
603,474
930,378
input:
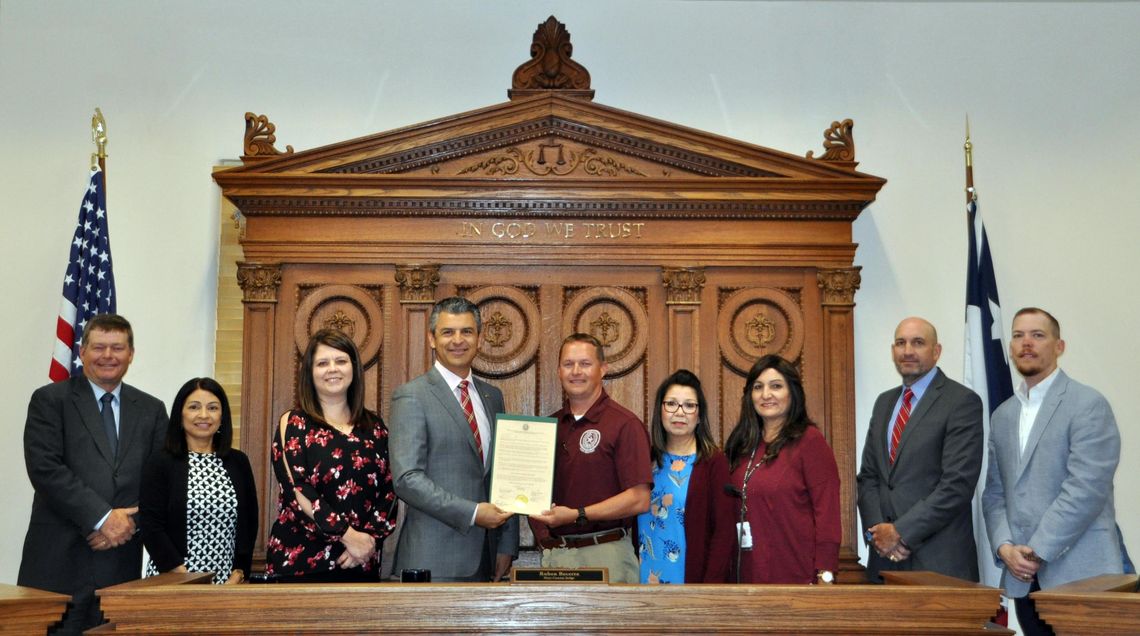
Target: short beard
x,y
1029,368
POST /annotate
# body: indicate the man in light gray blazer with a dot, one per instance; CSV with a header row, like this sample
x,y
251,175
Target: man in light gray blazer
x,y
441,446
1053,452
916,504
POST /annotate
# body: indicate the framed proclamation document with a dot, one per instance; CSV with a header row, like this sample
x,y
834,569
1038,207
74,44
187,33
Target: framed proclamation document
x,y
522,476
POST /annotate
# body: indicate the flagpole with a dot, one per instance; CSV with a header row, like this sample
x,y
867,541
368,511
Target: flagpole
x,y
969,148
99,137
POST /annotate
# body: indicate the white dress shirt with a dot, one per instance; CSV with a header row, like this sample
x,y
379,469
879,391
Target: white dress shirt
x,y
476,404
1031,400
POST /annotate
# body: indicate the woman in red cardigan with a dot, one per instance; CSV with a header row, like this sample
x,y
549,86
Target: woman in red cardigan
x,y
686,536
787,472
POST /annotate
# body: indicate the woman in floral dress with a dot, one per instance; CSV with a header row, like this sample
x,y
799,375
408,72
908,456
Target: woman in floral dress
x,y
330,455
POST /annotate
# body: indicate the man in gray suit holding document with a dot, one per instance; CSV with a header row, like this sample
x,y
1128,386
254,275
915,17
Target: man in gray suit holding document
x,y
441,446
1054,447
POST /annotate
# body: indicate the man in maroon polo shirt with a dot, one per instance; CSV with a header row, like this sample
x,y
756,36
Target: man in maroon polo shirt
x,y
602,474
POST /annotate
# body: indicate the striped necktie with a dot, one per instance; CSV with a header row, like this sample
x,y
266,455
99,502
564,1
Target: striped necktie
x,y
469,411
900,423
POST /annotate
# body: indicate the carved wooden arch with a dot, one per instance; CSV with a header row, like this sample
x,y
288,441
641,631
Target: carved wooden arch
x,y
511,330
346,308
756,321
556,213
617,318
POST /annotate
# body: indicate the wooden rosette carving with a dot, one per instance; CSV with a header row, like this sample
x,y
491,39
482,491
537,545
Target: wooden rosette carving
x,y
347,308
550,67
512,326
617,318
757,321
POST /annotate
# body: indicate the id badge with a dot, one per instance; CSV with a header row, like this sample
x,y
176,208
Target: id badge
x,y
744,535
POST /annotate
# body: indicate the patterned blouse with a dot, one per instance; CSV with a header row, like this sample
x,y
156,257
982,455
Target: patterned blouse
x,y
211,518
349,482
661,531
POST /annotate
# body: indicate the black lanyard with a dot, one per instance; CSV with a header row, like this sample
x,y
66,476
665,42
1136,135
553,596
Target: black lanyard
x,y
748,470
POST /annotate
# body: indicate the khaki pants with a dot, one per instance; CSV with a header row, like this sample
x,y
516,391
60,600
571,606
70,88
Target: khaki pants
x,y
617,556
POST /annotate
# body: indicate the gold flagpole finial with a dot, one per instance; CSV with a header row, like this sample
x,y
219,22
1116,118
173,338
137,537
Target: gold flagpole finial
x,y
99,137
968,147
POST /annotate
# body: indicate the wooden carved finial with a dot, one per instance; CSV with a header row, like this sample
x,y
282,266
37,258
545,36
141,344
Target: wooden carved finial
x,y
550,67
259,139
838,144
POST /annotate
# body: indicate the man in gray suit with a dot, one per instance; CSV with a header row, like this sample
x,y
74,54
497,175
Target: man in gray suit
x,y
442,429
85,443
1053,451
920,466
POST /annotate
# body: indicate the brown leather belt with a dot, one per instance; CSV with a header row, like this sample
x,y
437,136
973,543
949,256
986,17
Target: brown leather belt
x,y
581,541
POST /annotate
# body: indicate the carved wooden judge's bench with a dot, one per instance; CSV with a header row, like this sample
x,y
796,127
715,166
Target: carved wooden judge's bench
x,y
555,214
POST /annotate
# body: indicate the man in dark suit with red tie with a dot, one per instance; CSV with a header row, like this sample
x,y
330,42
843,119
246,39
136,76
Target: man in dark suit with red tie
x,y
920,465
85,442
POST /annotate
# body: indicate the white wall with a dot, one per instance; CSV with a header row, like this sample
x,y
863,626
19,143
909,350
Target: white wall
x,y
1050,88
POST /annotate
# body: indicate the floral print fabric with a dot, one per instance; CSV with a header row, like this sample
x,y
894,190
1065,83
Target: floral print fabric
x,y
349,482
661,530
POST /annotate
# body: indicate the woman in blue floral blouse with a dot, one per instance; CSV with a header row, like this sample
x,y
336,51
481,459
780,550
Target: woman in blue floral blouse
x,y
686,536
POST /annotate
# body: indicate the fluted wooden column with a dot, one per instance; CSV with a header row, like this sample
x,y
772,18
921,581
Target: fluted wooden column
x,y
838,287
259,285
683,287
417,296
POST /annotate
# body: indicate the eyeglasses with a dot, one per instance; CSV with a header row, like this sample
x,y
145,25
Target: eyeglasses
x,y
688,408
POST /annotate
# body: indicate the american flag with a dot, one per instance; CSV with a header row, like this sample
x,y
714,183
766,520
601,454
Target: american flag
x,y
88,285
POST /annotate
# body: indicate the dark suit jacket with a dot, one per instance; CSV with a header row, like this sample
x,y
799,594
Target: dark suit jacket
x,y
77,482
437,472
928,491
162,509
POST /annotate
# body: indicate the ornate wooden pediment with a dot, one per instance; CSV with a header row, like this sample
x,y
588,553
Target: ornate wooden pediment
x,y
483,142
548,136
550,143
543,144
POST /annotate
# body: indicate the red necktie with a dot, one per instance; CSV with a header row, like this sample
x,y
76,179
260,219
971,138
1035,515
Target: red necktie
x,y
900,423
465,402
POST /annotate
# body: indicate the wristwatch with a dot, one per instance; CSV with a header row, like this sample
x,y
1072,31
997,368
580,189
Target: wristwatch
x,y
825,576
582,520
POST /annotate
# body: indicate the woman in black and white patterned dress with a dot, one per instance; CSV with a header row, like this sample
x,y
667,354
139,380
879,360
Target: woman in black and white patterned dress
x,y
198,504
